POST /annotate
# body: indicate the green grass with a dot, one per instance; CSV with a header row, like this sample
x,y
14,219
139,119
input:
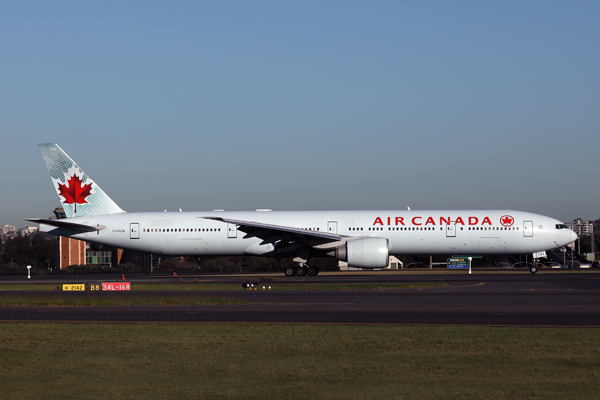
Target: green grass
x,y
233,286
107,299
28,286
253,361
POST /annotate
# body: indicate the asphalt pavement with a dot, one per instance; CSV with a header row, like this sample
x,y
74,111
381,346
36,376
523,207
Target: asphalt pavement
x,y
485,298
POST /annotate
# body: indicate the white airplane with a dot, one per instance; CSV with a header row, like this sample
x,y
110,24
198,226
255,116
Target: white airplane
x,y
363,239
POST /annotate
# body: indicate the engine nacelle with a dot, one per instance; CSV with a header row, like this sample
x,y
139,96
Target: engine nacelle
x,y
365,252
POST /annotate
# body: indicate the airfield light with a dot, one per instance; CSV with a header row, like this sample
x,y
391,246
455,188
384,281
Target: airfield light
x,y
470,258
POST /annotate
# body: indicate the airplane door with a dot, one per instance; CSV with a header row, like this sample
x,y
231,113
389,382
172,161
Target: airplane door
x,y
332,227
527,228
134,230
450,230
231,230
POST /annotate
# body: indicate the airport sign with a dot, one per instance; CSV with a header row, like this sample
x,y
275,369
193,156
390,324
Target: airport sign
x,y
458,263
73,287
96,286
106,286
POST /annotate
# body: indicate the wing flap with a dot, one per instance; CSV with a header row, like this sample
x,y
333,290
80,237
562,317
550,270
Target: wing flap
x,y
268,231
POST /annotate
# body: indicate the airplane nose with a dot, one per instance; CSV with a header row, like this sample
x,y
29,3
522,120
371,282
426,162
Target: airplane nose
x,y
573,236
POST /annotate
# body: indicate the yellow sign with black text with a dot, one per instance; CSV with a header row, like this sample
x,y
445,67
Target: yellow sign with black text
x,y
73,287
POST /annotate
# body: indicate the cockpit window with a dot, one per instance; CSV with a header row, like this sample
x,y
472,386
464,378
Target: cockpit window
x,y
561,226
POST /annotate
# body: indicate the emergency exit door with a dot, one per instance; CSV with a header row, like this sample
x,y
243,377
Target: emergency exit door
x,y
527,228
332,227
231,230
134,230
450,230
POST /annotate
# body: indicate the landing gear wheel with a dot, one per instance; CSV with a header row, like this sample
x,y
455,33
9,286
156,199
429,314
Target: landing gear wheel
x,y
301,271
312,271
533,269
317,271
290,271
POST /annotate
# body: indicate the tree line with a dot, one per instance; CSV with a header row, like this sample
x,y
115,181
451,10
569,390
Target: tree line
x,y
39,252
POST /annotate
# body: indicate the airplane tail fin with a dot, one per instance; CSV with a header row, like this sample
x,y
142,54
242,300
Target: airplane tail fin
x,y
79,195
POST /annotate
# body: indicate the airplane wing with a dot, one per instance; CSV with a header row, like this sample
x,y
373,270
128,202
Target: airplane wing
x,y
272,233
66,225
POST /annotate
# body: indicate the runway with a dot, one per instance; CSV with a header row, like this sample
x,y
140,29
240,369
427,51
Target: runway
x,y
484,299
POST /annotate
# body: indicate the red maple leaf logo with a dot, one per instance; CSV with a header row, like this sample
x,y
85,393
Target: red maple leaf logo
x,y
507,220
76,193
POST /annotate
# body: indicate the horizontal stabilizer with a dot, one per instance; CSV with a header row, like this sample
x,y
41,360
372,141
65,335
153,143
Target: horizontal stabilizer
x,y
66,225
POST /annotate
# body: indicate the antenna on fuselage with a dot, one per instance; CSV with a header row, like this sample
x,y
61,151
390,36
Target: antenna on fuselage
x,y
408,208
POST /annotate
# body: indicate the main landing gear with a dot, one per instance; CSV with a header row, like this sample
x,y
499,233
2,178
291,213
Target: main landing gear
x,y
301,270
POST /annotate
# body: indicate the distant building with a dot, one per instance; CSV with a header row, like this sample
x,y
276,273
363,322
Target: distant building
x,y
95,257
30,230
7,231
71,252
581,227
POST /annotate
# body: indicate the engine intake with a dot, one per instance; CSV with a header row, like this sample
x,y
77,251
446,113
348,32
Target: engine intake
x,y
365,252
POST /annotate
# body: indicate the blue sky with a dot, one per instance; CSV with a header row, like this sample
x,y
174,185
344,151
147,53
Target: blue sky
x,y
304,105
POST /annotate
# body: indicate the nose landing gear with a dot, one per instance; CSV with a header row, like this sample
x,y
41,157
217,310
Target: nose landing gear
x,y
533,269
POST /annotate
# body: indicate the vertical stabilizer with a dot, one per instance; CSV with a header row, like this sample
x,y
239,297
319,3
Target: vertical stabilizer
x,y
77,192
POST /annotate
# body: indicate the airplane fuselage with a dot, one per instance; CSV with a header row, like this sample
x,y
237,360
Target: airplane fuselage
x,y
408,231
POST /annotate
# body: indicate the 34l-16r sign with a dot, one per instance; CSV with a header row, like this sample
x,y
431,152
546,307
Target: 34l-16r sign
x,y
116,286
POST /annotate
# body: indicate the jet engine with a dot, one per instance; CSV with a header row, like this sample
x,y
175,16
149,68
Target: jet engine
x,y
365,252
